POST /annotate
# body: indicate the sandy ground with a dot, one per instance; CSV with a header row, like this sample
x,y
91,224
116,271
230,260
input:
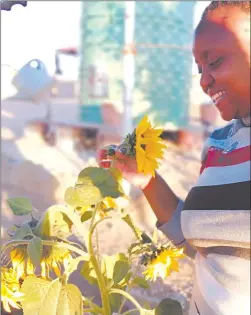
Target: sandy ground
x,y
31,168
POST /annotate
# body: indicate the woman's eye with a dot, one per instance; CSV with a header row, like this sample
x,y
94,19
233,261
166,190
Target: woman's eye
x,y
215,63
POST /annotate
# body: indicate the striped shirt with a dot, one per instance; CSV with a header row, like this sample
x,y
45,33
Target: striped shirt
x,y
213,224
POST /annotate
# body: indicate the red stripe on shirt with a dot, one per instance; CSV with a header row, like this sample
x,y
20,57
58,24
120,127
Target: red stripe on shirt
x,y
218,158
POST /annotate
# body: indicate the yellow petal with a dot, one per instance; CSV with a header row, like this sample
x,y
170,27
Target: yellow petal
x,y
153,133
29,268
140,157
143,125
43,269
6,305
149,147
56,269
109,203
13,304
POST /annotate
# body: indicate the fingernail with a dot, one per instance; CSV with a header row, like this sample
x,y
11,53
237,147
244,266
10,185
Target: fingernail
x,y
106,164
122,150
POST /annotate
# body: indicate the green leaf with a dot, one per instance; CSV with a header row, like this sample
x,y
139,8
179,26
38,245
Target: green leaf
x,y
121,269
20,205
93,175
73,264
141,282
86,216
115,302
145,238
134,248
87,271
139,248
34,250
108,264
93,185
135,230
54,223
88,302
103,179
117,174
168,306
22,232
82,195
50,297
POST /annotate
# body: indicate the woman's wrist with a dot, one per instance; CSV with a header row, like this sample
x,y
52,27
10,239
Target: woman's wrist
x,y
148,183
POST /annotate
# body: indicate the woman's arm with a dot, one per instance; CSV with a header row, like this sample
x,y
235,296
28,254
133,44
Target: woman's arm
x,y
161,198
167,208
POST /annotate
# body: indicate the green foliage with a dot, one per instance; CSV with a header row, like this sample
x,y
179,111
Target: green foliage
x,y
87,271
120,271
54,223
20,205
51,297
86,216
113,274
93,185
168,306
140,282
34,249
22,232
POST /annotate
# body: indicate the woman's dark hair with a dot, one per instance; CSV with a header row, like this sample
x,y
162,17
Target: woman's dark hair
x,y
214,5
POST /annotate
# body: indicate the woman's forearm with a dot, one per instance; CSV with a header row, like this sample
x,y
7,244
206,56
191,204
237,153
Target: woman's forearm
x,y
161,198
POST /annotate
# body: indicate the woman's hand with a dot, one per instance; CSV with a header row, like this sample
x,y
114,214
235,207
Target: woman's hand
x,y
112,156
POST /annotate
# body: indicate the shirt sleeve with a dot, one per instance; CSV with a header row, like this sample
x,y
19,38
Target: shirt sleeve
x,y
172,230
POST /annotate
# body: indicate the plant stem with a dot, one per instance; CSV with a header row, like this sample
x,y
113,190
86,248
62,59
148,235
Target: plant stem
x,y
94,307
128,296
93,259
130,311
128,290
97,243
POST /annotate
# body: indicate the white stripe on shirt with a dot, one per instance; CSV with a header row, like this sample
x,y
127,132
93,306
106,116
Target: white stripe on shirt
x,y
220,175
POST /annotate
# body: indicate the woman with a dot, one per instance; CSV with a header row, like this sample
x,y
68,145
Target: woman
x,y
213,223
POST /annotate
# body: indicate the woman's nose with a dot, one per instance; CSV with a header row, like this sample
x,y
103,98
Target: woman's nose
x,y
206,80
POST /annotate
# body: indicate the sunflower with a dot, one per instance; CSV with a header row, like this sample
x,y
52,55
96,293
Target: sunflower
x,y
53,258
21,263
163,264
106,205
149,147
10,295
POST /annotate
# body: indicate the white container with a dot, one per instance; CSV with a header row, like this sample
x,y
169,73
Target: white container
x,y
33,81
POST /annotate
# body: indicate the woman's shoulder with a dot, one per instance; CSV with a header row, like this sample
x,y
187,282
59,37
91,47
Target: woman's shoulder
x,y
226,131
227,137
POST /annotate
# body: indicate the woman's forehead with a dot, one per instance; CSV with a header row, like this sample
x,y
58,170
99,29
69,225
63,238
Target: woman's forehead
x,y
212,37
221,30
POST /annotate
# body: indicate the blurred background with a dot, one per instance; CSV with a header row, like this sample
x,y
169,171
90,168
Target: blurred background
x,y
76,75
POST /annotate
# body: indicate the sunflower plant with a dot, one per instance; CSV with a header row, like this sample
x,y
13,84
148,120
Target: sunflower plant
x,y
39,257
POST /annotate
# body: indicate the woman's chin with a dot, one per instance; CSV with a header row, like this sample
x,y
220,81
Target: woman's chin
x,y
226,116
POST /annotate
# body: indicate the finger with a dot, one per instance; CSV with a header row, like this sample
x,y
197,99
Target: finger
x,y
120,155
105,164
102,154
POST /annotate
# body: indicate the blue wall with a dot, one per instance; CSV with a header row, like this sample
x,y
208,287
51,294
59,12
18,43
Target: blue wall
x,y
163,33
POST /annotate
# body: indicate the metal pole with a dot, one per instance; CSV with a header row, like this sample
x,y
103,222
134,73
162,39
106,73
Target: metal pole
x,y
128,66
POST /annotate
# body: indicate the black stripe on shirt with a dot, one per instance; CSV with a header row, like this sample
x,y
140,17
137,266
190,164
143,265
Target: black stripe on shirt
x,y
220,197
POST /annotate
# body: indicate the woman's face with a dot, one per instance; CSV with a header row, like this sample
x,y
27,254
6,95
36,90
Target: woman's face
x,y
222,52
